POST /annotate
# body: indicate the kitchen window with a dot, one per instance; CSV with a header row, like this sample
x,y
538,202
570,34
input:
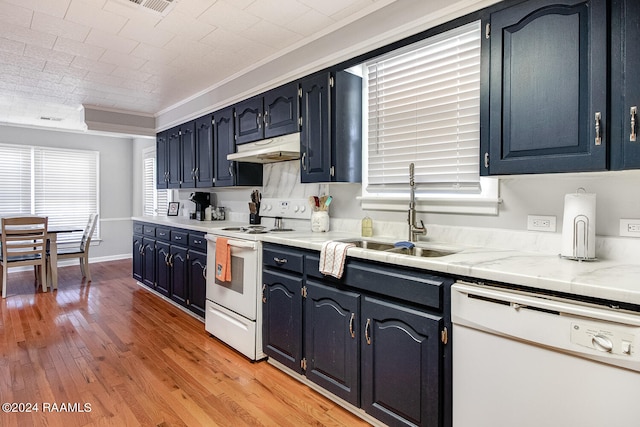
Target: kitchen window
x,y
423,107
155,201
61,184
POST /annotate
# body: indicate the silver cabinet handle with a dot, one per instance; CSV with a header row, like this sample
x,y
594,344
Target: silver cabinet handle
x,y
634,114
264,299
204,272
266,119
304,161
366,332
351,331
259,121
598,118
230,169
280,260
166,258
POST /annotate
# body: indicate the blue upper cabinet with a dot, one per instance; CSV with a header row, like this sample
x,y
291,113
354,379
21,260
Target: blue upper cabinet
x,y
331,134
281,111
204,152
625,70
271,114
546,109
248,118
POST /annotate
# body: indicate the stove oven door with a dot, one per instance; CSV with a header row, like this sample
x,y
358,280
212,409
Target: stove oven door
x,y
240,294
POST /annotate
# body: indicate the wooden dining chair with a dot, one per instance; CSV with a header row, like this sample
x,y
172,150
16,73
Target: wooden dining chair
x,y
24,242
81,252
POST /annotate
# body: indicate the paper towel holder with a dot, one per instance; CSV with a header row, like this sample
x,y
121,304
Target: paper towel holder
x,y
580,224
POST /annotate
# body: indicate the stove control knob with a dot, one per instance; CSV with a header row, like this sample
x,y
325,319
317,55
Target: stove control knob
x,y
296,208
303,208
267,208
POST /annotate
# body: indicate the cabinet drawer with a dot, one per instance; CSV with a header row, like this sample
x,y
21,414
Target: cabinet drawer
x,y
138,228
149,230
197,241
163,233
413,286
181,237
282,258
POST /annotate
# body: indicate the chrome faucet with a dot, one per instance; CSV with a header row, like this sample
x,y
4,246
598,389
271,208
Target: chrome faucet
x,y
414,229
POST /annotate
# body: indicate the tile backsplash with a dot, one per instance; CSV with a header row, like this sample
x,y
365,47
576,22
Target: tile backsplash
x,y
282,180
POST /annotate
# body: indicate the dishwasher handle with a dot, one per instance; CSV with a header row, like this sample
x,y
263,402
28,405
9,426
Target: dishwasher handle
x,y
518,300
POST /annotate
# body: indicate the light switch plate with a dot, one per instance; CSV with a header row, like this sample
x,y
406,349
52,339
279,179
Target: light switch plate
x,y
541,223
630,227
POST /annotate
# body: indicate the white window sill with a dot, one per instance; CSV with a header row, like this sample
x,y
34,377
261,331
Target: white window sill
x,y
458,205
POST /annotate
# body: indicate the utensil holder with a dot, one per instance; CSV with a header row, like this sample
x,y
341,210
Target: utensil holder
x,y
320,221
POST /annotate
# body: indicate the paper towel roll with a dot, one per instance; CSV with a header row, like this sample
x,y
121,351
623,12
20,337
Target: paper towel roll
x,y
579,226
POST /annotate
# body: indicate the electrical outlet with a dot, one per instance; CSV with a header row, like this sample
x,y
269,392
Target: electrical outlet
x,y
541,223
630,227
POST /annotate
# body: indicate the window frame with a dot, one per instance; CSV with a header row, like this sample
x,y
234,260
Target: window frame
x,y
38,176
396,198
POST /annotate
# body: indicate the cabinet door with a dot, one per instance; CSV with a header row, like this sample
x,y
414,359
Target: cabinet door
x,y
137,251
149,262
625,66
315,135
282,318
204,152
331,349
162,167
401,364
281,111
548,88
248,120
223,139
179,269
197,282
188,143
174,160
163,269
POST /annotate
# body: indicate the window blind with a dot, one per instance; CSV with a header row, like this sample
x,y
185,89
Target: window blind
x,y
155,201
66,187
424,107
15,180
57,183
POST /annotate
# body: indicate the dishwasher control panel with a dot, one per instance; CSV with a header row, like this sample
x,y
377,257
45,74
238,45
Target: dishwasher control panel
x,y
613,340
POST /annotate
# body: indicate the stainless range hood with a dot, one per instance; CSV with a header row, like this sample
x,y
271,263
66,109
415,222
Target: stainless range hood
x,y
279,149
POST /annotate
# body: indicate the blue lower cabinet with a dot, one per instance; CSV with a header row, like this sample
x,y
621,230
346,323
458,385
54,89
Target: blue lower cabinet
x,y
331,347
377,338
401,364
282,318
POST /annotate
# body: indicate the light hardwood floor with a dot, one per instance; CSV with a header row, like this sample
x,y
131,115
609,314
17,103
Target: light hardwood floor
x,y
135,360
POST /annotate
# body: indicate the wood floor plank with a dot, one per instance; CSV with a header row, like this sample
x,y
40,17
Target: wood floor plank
x,y
136,360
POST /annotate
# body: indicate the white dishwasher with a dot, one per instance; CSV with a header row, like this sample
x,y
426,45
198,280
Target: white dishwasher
x,y
527,360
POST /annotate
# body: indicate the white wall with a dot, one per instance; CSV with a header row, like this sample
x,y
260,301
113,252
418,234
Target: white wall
x,y
116,172
617,196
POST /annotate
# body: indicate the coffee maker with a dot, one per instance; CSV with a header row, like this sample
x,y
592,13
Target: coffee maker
x,y
202,201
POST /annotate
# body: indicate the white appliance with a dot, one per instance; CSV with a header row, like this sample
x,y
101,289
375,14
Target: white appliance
x,y
529,360
233,310
278,149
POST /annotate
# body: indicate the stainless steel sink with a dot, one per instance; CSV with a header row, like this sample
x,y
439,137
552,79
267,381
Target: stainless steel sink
x,y
370,244
419,251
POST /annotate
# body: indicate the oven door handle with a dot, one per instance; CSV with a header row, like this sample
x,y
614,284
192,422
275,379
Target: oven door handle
x,y
245,244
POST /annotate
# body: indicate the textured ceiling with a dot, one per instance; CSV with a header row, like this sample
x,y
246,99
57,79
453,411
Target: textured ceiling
x,y
57,55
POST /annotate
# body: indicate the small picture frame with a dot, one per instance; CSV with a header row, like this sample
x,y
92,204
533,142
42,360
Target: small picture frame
x,y
174,208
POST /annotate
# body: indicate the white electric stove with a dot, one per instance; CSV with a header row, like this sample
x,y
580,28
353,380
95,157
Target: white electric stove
x,y
233,311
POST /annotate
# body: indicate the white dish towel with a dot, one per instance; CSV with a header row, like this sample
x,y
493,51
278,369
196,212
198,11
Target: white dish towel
x,y
332,257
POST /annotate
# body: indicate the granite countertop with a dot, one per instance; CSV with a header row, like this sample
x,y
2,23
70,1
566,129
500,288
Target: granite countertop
x,y
610,279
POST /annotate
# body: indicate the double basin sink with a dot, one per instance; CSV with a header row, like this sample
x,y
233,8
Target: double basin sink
x,y
419,250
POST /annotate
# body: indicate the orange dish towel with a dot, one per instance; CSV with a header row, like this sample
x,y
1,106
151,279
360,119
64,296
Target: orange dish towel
x,y
223,260
332,257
